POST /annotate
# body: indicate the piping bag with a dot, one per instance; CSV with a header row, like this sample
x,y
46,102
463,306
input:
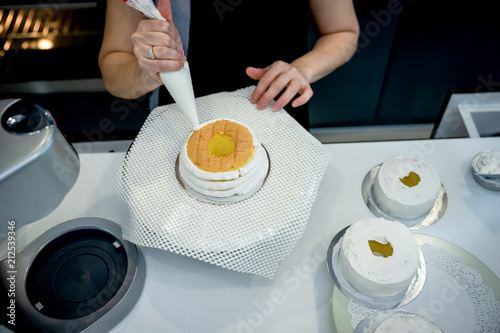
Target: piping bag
x,y
178,83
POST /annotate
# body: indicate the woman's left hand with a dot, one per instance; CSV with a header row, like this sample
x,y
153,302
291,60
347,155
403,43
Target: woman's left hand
x,y
275,78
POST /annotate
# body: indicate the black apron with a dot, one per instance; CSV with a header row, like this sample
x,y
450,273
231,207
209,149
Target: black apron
x,y
227,36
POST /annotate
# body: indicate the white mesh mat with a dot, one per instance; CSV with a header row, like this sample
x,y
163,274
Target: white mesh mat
x,y
250,236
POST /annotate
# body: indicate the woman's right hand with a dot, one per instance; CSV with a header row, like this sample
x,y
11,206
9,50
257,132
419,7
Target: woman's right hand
x,y
126,66
166,45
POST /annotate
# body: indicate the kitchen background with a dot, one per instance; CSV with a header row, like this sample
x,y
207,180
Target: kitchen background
x,y
411,53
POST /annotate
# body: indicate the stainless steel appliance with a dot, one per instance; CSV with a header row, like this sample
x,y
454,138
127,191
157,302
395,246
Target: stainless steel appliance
x,y
79,275
38,165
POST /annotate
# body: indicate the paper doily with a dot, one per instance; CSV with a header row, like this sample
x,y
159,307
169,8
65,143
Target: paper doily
x,y
486,309
250,236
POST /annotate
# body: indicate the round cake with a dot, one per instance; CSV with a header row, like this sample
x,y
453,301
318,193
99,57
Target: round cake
x,y
378,257
406,323
223,158
487,162
406,188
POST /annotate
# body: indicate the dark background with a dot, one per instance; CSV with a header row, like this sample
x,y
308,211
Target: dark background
x,y
407,62
410,54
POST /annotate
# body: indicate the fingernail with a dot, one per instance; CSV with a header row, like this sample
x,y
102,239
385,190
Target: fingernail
x,y
260,106
253,99
276,106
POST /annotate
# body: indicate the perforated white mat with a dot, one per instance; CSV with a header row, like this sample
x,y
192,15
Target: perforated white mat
x,y
250,236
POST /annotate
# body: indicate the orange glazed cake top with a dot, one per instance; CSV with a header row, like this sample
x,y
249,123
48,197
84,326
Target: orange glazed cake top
x,y
220,146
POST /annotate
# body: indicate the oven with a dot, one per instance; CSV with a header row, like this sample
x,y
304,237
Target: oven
x,y
48,55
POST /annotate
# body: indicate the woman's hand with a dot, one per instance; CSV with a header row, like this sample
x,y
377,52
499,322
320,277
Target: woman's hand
x,y
273,79
338,26
164,39
126,65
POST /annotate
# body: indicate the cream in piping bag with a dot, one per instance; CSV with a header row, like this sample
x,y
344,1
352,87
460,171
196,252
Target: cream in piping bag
x,y
180,87
178,83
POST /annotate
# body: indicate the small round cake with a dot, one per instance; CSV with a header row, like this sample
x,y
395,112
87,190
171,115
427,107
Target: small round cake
x,y
487,162
223,158
406,323
378,257
485,168
406,188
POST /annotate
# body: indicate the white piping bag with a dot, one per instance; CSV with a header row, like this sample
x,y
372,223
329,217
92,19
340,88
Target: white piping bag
x,y
178,83
180,87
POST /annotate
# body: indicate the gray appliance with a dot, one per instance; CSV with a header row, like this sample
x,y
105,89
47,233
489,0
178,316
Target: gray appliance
x,y
79,276
38,166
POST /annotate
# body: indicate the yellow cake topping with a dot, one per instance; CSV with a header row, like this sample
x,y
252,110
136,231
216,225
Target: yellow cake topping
x,y
381,250
411,180
220,146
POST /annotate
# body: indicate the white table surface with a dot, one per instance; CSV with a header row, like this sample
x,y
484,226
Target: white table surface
x,y
182,294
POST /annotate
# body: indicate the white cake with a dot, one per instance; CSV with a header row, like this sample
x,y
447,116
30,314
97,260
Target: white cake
x,y
487,162
406,323
406,188
234,165
366,269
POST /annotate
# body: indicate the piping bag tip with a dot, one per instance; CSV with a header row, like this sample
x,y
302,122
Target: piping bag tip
x,y
180,87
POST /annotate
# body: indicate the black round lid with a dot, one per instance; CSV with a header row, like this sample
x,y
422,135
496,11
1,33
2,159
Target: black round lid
x,y
76,274
25,117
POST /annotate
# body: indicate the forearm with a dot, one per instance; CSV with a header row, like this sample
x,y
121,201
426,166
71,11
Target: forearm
x,y
328,53
124,58
122,76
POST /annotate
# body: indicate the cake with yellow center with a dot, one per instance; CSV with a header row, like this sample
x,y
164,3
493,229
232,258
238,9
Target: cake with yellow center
x,y
223,158
379,258
406,188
